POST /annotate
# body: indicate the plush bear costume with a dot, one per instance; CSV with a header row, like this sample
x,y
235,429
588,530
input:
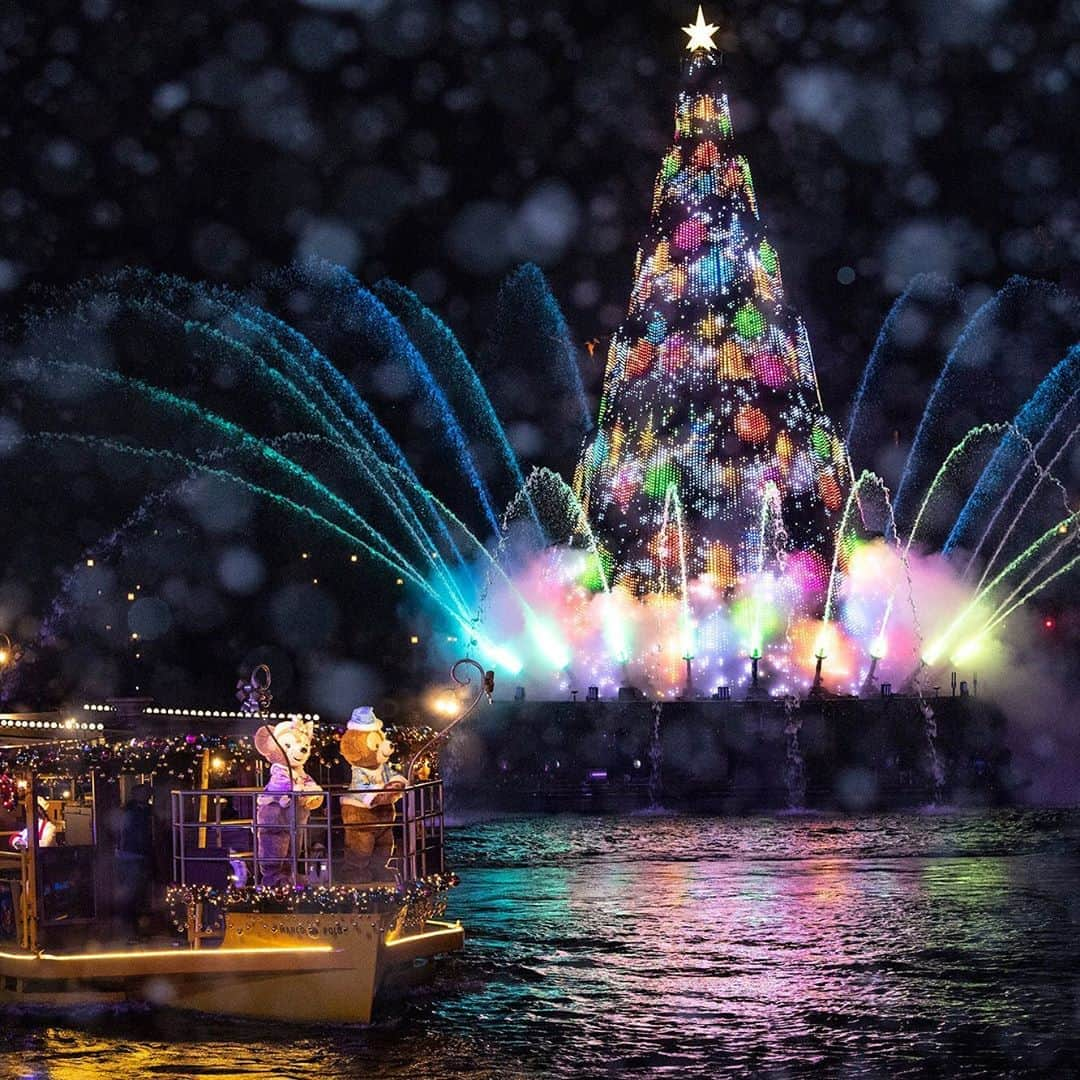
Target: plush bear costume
x,y
368,809
287,746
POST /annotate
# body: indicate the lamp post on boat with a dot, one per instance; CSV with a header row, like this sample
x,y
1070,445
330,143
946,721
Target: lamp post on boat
x,y
486,688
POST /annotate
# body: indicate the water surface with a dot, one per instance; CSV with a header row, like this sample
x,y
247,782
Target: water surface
x,y
892,945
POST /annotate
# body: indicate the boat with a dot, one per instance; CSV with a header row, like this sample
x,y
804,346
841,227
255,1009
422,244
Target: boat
x,y
301,944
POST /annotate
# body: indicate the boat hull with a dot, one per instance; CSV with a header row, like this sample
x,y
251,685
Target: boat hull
x,y
291,968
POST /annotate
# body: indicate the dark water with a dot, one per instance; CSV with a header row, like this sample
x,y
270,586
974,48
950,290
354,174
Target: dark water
x,y
894,945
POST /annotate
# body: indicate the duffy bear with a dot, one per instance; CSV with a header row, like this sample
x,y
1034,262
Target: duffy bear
x,y
368,808
287,746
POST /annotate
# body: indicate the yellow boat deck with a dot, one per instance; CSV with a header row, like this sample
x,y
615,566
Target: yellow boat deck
x,y
280,967
140,962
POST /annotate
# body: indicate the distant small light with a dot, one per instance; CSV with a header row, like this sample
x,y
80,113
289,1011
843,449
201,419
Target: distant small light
x,y
89,562
354,558
400,581
304,555
131,596
134,637
414,640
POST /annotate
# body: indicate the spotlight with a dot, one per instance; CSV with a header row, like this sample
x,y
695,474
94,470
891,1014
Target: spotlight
x,y
755,690
876,653
447,705
817,690
10,653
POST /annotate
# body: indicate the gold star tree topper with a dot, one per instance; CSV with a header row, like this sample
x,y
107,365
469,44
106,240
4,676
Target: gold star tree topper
x,y
701,33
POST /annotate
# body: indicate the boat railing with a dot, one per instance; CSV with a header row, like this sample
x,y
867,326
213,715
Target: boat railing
x,y
219,840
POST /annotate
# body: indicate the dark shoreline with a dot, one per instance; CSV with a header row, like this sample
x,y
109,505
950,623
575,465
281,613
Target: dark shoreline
x,y
731,756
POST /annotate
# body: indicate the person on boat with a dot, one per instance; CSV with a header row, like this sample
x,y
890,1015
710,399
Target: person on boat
x,y
318,872
287,746
46,830
368,809
236,839
134,853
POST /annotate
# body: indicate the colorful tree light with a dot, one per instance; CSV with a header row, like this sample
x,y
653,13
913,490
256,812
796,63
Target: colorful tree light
x,y
710,387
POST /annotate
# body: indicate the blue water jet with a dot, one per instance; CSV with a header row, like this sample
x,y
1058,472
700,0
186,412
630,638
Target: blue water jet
x,y
976,370
1033,424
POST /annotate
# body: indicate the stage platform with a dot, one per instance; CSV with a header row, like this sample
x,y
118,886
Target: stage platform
x,y
729,756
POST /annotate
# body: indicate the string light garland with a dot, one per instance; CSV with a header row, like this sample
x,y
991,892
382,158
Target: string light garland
x,y
425,899
9,792
180,756
206,714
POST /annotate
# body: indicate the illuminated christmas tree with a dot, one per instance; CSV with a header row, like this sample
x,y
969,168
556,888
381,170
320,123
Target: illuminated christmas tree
x,y
712,455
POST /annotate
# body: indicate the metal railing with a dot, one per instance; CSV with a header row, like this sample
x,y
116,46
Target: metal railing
x,y
248,836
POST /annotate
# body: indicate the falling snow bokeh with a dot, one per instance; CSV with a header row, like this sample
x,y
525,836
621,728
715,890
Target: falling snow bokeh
x,y
910,161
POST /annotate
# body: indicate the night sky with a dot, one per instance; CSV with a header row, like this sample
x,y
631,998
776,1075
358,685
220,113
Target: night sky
x,y
442,144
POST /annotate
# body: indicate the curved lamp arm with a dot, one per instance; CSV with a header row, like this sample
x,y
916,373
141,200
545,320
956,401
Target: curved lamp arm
x,y
486,689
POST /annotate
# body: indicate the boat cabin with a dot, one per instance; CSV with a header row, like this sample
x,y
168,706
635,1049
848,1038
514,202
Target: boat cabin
x,y
117,828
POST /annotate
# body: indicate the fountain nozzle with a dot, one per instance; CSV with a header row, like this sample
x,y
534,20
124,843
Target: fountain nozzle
x,y
755,690
817,690
871,678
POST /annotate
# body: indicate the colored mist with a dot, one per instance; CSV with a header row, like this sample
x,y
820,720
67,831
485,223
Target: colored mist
x,y
507,563
894,945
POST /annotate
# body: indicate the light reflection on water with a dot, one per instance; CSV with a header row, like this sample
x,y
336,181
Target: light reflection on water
x,y
880,946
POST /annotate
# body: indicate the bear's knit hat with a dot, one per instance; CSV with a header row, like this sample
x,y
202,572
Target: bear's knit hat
x,y
364,719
